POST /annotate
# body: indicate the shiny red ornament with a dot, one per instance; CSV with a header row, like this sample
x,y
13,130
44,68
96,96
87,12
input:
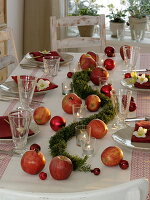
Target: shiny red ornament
x,y
110,51
106,88
109,64
127,75
35,147
57,123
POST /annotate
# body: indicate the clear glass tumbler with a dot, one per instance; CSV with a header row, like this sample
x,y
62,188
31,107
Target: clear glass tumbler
x,y
51,65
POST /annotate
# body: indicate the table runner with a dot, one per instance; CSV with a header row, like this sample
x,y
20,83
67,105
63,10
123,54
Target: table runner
x,y
139,170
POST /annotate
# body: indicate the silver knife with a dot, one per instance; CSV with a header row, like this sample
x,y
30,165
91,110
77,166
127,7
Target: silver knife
x,y
8,98
147,118
11,153
30,66
138,70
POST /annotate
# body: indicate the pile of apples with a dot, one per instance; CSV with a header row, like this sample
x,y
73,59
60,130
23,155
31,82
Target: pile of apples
x,y
93,103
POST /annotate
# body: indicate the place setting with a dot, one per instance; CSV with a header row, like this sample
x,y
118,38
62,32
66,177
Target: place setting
x,y
35,59
131,132
133,78
20,125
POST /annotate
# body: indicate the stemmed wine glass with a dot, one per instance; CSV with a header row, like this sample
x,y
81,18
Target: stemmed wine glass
x,y
121,101
26,87
131,55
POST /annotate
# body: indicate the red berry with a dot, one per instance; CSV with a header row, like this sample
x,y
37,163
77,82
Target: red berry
x,y
132,106
127,75
123,164
35,147
69,74
95,171
43,175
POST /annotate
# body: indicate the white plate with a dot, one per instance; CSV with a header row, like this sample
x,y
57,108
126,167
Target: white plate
x,y
123,137
12,88
67,58
33,126
131,87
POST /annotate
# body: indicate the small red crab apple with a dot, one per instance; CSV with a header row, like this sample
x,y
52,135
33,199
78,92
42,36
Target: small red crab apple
x,y
70,74
123,164
96,171
43,175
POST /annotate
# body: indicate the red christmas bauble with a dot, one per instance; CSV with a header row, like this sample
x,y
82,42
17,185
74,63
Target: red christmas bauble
x,y
57,123
127,75
109,64
106,90
110,51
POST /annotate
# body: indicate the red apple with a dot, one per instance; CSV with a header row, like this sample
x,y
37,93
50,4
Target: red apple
x,y
69,100
60,167
97,73
57,123
109,64
94,55
98,128
41,115
32,162
110,51
121,51
93,102
112,156
87,62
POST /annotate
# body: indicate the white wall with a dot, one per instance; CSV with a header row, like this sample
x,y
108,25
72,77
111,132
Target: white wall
x,y
15,13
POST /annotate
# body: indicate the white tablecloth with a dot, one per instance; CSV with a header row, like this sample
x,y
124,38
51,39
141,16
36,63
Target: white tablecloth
x,y
15,178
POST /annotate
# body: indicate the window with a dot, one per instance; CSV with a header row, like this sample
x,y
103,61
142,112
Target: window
x,y
102,10
119,4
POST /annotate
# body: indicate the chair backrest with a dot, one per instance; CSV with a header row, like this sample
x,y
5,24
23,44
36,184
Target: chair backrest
x,y
77,42
8,53
132,190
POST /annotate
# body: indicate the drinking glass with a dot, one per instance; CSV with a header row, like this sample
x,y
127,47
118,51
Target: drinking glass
x,y
82,133
138,34
120,34
79,112
89,146
26,87
51,65
122,101
67,87
19,123
131,55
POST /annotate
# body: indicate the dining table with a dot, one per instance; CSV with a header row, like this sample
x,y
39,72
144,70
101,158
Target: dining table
x,y
13,178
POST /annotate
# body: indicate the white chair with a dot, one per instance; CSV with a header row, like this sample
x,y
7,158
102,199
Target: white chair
x,y
132,190
76,42
8,54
